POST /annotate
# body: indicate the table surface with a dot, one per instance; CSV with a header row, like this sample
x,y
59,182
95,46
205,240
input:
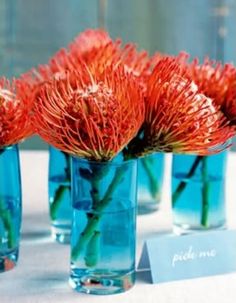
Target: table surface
x,y
42,271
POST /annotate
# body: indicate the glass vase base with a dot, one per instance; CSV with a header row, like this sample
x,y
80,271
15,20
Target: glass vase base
x,y
101,284
8,261
61,235
147,208
186,229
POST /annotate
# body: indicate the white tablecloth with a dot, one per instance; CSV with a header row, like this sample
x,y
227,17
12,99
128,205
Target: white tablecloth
x,y
42,272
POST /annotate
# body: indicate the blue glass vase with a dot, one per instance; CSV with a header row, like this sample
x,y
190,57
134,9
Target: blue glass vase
x,y
10,207
104,225
59,184
150,179
198,192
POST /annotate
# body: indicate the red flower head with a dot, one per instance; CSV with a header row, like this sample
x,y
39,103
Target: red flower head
x,y
15,109
90,46
216,81
96,49
178,117
90,114
87,47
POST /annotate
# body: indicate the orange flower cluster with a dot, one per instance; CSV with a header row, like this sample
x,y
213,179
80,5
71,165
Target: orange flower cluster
x,y
97,47
93,59
90,115
97,97
15,107
216,81
97,50
179,118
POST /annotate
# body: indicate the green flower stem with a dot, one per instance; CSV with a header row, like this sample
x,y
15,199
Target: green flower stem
x,y
92,253
180,188
93,221
85,236
55,205
61,190
205,194
153,182
205,188
6,218
95,192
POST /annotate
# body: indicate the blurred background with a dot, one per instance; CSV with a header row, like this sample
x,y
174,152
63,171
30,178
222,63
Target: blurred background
x,y
32,30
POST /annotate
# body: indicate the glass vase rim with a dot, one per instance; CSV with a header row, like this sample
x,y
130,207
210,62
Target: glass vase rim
x,y
123,162
225,151
157,153
8,147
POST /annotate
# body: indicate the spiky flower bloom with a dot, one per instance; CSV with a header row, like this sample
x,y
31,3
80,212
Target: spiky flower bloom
x,y
91,46
89,114
216,81
94,47
84,47
178,118
15,109
97,48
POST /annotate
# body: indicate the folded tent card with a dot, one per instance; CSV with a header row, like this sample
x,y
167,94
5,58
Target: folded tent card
x,y
171,257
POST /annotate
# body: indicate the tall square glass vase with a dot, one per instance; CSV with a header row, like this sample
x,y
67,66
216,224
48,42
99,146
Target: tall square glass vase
x,y
104,225
150,179
59,191
10,207
198,192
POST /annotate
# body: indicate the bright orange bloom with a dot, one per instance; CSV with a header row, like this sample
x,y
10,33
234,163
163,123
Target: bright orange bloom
x,y
91,46
216,81
96,49
15,110
89,114
178,118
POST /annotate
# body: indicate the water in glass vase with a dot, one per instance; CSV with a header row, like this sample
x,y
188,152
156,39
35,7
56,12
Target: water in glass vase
x,y
60,195
10,207
60,214
150,179
105,264
103,226
198,192
10,221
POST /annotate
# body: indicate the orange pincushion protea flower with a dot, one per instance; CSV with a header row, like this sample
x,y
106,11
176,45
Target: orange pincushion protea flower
x,y
15,107
90,115
97,50
84,47
91,46
216,81
178,118
96,46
